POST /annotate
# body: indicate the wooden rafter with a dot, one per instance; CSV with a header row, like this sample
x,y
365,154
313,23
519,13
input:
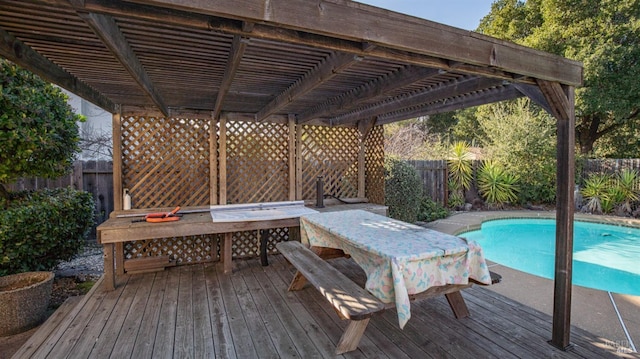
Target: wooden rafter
x,y
324,72
351,20
401,78
496,94
441,92
238,46
107,30
24,56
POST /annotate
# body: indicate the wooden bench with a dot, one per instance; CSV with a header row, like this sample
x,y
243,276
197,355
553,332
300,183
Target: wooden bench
x,y
350,301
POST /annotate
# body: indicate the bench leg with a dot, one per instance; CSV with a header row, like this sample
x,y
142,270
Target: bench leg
x,y
298,282
351,336
457,304
109,267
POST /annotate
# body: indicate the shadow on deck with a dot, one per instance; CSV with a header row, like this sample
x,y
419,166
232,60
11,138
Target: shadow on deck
x,y
196,311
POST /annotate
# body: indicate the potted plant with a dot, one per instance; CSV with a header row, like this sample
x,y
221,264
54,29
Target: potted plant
x,y
39,137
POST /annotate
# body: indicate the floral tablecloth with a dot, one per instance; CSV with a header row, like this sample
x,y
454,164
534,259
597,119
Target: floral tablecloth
x,y
399,258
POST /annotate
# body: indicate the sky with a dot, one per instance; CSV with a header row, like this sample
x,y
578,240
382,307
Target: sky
x,y
464,14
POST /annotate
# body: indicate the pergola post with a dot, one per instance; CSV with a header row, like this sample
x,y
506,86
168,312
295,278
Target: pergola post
x,y
562,104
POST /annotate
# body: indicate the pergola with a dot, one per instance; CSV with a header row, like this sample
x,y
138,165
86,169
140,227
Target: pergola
x,y
333,63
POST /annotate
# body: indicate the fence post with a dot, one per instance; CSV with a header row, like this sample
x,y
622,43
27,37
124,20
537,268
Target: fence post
x,y
77,175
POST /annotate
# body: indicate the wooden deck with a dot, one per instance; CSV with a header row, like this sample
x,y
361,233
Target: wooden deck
x,y
197,312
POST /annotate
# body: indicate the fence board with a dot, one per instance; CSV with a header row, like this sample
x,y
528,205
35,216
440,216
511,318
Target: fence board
x,y
433,175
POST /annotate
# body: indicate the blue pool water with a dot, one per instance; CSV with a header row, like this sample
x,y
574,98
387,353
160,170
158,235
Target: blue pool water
x,y
605,257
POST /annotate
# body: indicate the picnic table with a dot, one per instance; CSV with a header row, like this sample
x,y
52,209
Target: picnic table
x,y
400,259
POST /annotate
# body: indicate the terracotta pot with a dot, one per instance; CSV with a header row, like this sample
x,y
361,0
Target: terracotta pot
x,y
24,299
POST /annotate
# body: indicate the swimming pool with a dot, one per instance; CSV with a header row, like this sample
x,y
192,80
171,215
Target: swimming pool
x,y
605,257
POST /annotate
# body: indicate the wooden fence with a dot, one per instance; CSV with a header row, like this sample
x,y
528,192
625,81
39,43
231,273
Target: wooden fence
x,y
433,175
95,177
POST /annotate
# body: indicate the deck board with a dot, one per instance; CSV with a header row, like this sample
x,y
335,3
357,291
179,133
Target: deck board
x,y
197,311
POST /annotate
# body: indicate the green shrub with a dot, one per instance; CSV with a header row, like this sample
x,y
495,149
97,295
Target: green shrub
x,y
42,228
403,190
431,210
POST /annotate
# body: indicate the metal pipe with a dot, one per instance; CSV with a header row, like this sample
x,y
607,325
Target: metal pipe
x,y
319,193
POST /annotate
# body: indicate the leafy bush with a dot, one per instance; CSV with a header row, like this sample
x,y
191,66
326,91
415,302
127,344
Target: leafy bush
x,y
42,228
38,129
403,190
430,210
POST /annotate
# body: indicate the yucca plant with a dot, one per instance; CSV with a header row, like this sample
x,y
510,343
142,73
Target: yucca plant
x,y
456,197
626,184
496,185
596,191
460,172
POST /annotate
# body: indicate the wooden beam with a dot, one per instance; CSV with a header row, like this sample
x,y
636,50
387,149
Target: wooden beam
x,y
399,79
325,71
354,21
118,190
222,153
557,99
562,103
107,30
364,127
24,56
292,157
496,94
299,133
440,92
213,160
535,94
238,46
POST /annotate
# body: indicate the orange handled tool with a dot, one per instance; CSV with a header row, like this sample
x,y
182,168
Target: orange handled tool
x,y
160,217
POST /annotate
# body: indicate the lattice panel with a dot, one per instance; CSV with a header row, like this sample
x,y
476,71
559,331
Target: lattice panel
x,y
184,250
165,161
330,152
374,165
257,162
246,244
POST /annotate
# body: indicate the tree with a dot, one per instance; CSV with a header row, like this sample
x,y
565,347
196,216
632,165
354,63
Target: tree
x,y
38,129
604,35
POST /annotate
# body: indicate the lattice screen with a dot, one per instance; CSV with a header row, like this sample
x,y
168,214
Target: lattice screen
x,y
374,165
331,152
165,162
184,250
257,162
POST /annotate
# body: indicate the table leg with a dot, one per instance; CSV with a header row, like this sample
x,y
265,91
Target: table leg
x,y
109,270
264,239
119,258
457,304
226,255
